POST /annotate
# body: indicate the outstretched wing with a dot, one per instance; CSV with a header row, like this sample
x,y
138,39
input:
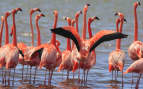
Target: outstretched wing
x,y
69,32
105,35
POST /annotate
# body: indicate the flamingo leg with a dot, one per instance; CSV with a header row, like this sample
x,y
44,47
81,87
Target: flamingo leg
x,y
79,73
35,75
45,77
137,84
73,75
87,75
2,75
132,82
22,71
27,72
13,77
30,74
5,77
67,74
122,79
9,77
49,77
112,74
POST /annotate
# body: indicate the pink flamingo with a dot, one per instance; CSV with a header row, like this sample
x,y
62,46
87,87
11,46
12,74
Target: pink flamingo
x,y
136,67
22,46
4,49
33,53
135,49
13,52
116,58
85,47
1,31
51,51
66,63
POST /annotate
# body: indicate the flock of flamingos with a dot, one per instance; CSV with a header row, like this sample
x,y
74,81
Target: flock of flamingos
x,y
80,54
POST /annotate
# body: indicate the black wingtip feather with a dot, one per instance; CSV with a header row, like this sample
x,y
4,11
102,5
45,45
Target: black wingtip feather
x,y
108,37
65,33
20,52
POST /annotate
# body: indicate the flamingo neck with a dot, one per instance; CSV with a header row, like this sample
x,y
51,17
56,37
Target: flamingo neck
x,y
6,31
84,26
76,21
38,32
53,40
68,40
89,29
135,25
118,41
32,31
14,31
1,30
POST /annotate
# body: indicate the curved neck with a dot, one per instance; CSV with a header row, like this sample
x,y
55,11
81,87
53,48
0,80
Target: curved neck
x,y
6,31
14,42
135,25
1,31
89,29
32,31
118,41
53,40
76,21
84,26
38,32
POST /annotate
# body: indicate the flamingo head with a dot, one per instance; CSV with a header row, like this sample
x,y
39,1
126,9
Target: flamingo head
x,y
38,16
78,13
14,11
86,8
91,19
55,13
7,13
68,20
136,4
34,10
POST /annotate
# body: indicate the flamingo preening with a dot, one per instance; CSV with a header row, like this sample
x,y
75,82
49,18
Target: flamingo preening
x,y
116,58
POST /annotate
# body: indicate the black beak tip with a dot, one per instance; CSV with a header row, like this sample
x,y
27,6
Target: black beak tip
x,y
97,18
116,14
125,20
88,4
139,3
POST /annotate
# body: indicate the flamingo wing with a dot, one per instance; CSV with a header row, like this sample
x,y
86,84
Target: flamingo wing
x,y
105,35
69,32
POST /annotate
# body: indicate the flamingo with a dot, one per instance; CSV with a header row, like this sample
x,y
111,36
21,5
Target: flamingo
x,y
136,67
13,52
4,49
135,49
116,58
86,65
51,57
1,31
33,54
66,63
2,59
23,46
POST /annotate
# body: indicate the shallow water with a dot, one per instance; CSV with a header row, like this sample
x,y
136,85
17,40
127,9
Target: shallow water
x,y
99,76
